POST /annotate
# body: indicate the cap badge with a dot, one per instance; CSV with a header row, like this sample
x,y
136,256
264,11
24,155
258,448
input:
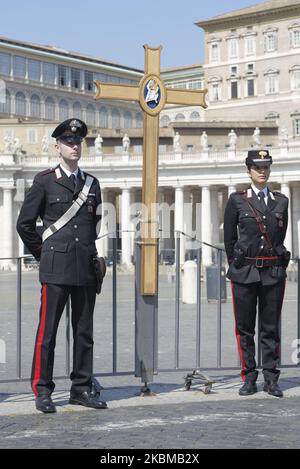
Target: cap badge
x,y
75,125
263,154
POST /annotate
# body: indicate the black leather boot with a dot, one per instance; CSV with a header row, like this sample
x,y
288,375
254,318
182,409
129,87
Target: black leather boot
x,y
272,388
248,388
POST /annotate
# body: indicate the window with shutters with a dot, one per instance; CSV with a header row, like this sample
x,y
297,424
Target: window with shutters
x,y
75,78
62,75
5,64
234,90
270,41
250,87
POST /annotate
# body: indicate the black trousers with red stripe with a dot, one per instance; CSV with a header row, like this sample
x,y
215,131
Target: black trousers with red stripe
x,y
53,301
268,298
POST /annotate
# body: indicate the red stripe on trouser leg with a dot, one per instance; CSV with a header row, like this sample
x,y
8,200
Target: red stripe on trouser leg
x,y
238,337
39,342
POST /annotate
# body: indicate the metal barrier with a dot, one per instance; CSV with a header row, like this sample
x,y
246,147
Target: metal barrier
x,y
197,343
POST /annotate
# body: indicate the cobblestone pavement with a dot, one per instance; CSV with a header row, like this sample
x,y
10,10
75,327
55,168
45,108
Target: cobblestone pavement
x,y
232,424
173,418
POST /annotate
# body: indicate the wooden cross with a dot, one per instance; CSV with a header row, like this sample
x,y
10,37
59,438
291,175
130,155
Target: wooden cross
x,y
152,96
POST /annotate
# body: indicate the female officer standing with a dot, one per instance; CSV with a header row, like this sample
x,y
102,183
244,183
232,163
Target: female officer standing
x,y
255,226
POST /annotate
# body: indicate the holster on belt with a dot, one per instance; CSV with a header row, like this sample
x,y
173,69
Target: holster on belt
x,y
100,271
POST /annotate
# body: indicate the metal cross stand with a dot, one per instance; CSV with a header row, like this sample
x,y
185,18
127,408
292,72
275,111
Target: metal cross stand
x,y
201,378
152,95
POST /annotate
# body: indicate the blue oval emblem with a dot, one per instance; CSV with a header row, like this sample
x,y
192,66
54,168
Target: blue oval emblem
x,y
152,93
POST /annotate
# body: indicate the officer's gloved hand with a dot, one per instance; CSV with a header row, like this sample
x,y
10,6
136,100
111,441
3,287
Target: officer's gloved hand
x,y
286,258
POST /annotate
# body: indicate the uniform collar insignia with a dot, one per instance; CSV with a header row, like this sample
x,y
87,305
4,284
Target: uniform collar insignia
x,y
249,193
58,173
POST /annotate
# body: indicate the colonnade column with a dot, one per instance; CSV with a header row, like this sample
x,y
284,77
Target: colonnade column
x,y
102,243
188,218
179,206
206,232
125,227
7,227
285,189
231,190
215,221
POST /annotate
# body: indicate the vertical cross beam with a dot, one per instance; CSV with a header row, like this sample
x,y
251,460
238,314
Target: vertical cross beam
x,y
149,228
152,96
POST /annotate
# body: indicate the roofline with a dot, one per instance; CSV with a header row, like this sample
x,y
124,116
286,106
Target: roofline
x,y
66,55
236,15
181,68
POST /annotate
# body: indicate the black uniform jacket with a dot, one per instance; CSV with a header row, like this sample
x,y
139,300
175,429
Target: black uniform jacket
x,y
66,257
243,237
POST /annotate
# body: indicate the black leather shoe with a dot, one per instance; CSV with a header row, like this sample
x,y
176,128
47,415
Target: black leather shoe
x,y
87,400
45,404
272,388
248,388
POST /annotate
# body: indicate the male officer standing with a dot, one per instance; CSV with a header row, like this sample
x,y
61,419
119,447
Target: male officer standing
x,y
66,200
255,226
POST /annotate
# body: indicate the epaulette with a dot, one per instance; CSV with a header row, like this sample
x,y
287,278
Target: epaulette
x,y
240,192
47,171
279,194
88,174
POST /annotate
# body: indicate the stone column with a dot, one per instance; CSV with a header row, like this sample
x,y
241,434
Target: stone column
x,y
231,189
12,104
179,206
27,106
7,228
285,189
188,218
125,226
43,109
215,222
102,243
296,220
206,234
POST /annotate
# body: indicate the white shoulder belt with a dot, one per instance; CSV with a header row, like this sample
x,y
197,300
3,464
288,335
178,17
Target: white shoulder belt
x,y
71,212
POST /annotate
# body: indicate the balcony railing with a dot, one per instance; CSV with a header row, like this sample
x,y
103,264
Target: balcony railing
x,y
113,159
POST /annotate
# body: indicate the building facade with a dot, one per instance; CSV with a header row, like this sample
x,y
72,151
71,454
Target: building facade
x,y
252,64
202,153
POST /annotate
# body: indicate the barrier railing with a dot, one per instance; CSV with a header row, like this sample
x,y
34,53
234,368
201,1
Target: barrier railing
x,y
117,346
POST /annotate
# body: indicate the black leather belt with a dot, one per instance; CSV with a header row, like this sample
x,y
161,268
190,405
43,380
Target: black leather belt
x,y
261,262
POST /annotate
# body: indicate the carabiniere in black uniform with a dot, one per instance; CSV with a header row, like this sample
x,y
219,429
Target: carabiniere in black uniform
x,y
254,233
66,269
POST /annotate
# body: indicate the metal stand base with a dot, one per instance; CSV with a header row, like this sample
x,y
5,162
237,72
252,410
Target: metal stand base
x,y
201,378
146,391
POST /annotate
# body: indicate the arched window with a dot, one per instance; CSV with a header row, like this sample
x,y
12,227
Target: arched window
x,y
116,119
35,106
195,116
139,120
5,104
103,115
20,104
50,109
128,120
180,117
63,110
165,121
90,115
77,110
295,77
